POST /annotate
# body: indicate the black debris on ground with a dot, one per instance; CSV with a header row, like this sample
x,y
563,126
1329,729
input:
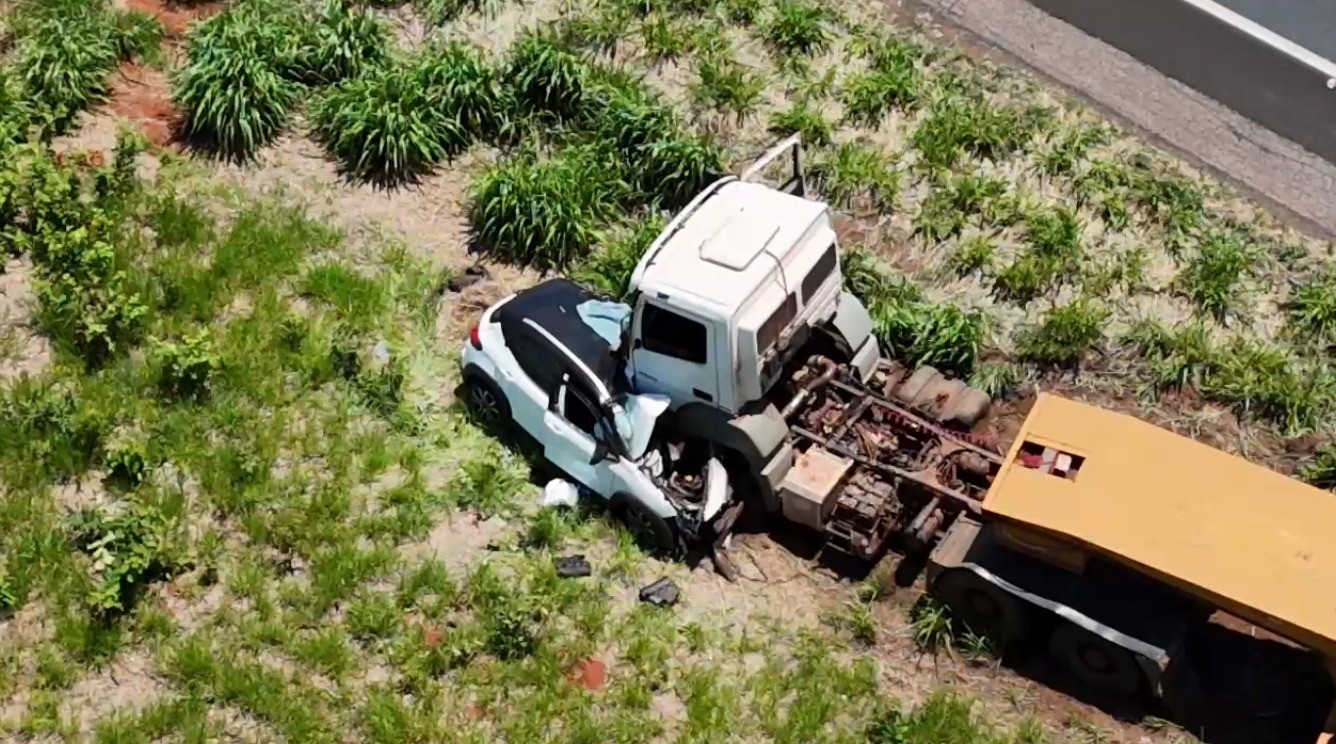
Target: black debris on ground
x,y
472,275
573,566
662,593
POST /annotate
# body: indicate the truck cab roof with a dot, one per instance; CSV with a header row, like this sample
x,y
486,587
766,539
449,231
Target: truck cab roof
x,y
1238,535
734,239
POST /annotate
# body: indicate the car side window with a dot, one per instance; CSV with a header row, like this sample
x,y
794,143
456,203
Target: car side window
x,y
579,410
665,332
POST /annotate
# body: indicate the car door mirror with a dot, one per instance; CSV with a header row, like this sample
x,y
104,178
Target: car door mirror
x,y
601,452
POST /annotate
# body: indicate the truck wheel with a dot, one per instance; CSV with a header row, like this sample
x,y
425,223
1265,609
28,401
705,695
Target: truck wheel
x,y
650,531
983,607
1100,663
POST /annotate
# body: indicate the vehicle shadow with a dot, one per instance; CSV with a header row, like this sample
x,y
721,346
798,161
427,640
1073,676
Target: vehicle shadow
x,y
1255,689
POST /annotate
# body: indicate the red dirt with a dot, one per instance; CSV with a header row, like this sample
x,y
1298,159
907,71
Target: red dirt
x,y
175,17
142,96
590,674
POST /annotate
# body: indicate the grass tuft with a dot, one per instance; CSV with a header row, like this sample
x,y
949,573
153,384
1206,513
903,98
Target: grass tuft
x,y
1065,336
233,95
799,27
857,174
801,117
545,211
1212,277
960,127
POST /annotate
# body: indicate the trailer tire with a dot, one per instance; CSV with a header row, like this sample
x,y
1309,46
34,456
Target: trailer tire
x,y
1099,663
985,608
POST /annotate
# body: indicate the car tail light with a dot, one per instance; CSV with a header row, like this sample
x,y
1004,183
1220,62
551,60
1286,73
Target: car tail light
x,y
475,339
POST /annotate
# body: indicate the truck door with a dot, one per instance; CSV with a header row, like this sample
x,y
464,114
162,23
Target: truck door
x,y
673,354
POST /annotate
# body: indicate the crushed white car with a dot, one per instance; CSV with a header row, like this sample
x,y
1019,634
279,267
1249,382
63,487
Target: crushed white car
x,y
547,360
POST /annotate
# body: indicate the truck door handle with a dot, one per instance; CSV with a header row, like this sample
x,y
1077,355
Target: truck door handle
x,y
702,394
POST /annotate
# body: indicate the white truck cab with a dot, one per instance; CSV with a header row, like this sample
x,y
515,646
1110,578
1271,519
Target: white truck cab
x,y
739,282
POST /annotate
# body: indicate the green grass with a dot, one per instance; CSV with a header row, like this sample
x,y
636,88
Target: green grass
x,y
1212,277
961,127
799,27
856,174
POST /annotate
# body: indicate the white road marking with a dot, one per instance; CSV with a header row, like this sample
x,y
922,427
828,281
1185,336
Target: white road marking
x,y
1270,38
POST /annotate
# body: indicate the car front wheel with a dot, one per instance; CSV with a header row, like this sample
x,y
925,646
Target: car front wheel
x,y
650,531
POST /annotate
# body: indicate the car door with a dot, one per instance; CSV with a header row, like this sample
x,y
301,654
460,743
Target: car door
x,y
571,424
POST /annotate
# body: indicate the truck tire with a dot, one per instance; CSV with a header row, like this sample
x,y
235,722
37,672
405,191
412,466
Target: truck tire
x,y
651,532
984,608
1103,665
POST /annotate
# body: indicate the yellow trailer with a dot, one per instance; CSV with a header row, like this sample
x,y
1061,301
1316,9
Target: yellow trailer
x,y
1129,536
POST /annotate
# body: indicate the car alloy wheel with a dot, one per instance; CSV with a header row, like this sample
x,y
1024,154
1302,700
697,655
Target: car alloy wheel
x,y
483,400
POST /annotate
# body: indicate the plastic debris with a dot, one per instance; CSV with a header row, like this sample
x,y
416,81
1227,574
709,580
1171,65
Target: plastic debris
x,y
662,593
382,351
573,567
559,492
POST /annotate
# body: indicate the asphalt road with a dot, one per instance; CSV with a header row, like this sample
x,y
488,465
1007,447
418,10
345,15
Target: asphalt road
x,y
1309,23
1137,74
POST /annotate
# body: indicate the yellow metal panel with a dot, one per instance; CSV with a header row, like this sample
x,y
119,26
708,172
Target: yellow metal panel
x,y
1245,538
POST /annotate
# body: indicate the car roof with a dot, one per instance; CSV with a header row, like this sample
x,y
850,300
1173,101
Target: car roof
x,y
551,306
733,243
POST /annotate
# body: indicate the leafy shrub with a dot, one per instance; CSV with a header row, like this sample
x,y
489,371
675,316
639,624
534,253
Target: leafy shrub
x,y
127,462
128,550
467,87
394,124
676,168
1064,336
386,127
545,211
724,84
1311,311
1320,471
855,172
947,210
232,91
1212,277
65,62
868,98
186,366
49,427
70,221
8,598
609,270
917,332
138,36
546,75
440,12
966,126
348,41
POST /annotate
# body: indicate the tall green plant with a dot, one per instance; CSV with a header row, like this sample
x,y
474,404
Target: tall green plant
x,y
232,91
64,63
547,76
545,211
348,41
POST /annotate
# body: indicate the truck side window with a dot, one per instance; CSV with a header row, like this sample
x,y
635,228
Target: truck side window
x,y
666,332
825,266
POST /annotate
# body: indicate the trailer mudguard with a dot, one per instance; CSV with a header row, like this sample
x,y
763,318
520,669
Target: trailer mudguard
x,y
1144,618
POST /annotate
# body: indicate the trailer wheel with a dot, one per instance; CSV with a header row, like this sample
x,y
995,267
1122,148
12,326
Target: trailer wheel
x,y
986,609
1098,662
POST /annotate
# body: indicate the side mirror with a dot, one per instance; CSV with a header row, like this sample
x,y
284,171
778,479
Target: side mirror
x,y
601,452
